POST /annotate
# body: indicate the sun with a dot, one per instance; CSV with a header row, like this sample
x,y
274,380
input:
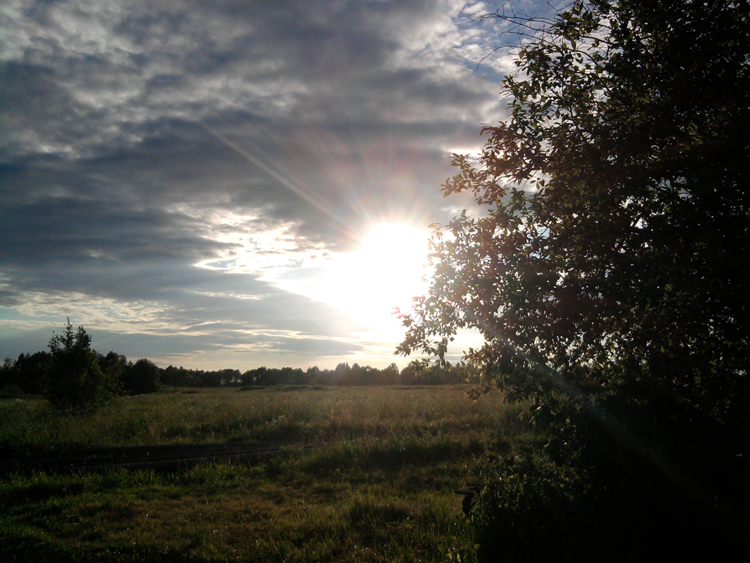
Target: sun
x,y
385,272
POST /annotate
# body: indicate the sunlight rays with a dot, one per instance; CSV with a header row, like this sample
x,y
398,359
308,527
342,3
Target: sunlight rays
x,y
385,272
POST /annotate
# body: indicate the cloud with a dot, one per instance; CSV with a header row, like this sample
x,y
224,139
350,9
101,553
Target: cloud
x,y
158,159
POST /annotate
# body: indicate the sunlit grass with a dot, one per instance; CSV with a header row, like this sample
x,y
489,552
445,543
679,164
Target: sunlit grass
x,y
274,414
379,487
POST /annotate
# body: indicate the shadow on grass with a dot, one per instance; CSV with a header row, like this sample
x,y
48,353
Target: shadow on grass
x,y
387,455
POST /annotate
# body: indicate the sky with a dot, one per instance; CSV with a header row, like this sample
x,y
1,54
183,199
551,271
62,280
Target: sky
x,y
233,183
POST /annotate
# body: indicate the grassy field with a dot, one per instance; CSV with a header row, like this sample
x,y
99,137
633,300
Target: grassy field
x,y
379,486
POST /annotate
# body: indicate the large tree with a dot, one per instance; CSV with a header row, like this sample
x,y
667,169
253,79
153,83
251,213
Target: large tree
x,y
609,270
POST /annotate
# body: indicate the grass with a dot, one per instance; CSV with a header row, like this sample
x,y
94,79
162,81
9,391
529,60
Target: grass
x,y
380,487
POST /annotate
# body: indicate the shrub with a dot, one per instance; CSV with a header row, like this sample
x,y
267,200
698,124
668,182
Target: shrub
x,y
11,391
575,493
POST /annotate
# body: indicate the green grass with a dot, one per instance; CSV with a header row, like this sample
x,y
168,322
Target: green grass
x,y
283,414
380,487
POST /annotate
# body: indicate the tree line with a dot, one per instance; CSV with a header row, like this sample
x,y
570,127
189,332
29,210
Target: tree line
x,y
31,373
416,373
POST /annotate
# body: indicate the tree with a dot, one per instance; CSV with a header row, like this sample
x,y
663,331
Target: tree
x,y
141,377
113,364
27,372
74,381
608,272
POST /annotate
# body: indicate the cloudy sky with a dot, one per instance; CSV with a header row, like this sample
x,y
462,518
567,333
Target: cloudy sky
x,y
231,183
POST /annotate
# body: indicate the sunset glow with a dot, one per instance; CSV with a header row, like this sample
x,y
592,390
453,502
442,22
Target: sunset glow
x,y
385,272
249,187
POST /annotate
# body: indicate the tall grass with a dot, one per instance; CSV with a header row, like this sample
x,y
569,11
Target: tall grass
x,y
301,415
379,487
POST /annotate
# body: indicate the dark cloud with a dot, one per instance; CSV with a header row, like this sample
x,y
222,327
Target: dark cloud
x,y
68,229
145,140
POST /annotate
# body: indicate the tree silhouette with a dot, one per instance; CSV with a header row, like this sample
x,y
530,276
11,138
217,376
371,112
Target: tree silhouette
x,y
141,377
608,273
74,381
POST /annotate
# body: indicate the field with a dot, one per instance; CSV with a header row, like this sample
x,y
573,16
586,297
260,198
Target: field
x,y
377,483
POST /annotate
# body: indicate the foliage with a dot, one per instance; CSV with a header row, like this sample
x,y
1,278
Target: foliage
x,y
29,370
114,365
75,381
141,377
536,508
11,391
608,273
531,508
26,372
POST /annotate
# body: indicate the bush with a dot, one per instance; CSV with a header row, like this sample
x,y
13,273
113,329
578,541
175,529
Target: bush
x,y
580,495
11,391
531,509
75,382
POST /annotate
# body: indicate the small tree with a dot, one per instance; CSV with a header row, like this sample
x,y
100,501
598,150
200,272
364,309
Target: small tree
x,y
74,381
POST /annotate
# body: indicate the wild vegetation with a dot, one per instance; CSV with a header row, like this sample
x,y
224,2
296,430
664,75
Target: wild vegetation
x,y
378,487
73,374
608,276
607,268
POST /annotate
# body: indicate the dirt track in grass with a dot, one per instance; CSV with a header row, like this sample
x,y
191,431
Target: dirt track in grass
x,y
159,458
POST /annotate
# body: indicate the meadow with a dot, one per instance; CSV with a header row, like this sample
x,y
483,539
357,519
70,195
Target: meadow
x,y
377,486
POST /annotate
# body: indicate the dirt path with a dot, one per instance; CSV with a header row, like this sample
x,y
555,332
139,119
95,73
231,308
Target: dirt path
x,y
159,458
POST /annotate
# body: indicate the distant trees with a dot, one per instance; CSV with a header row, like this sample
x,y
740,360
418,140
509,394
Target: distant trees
x,y
275,376
33,373
113,364
26,373
388,375
357,375
74,380
141,377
